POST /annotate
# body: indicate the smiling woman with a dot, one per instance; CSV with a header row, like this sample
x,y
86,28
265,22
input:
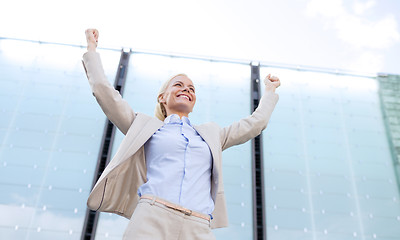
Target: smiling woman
x,y
166,176
181,103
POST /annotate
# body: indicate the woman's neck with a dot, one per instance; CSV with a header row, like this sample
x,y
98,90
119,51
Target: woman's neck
x,y
180,114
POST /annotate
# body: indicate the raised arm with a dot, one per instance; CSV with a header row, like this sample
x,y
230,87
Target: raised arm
x,y
251,126
110,100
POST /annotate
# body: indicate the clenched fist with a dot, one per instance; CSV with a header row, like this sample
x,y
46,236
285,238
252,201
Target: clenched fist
x,y
92,38
271,83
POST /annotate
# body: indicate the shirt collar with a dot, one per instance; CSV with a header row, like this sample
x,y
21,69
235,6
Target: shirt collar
x,y
174,118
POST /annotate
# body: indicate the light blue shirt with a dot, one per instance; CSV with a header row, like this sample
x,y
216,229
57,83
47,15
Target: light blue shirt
x,y
179,164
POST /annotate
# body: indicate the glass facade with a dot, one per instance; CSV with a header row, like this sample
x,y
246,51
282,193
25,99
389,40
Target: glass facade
x,y
50,132
328,166
389,86
328,163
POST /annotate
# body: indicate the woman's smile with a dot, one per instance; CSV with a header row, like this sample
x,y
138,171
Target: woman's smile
x,y
184,96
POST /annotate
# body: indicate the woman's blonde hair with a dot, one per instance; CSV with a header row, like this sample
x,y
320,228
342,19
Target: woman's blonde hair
x,y
160,111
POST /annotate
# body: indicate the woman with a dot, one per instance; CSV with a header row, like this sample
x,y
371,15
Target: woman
x,y
166,175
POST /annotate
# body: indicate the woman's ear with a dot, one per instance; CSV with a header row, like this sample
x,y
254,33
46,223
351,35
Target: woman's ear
x,y
161,98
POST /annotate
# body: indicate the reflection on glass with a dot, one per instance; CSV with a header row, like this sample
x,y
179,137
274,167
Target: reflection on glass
x,y
50,132
328,170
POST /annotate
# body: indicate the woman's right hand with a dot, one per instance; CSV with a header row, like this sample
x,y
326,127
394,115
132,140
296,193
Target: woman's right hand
x,y
92,38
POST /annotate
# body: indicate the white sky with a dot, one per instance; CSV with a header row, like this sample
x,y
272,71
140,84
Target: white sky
x,y
356,35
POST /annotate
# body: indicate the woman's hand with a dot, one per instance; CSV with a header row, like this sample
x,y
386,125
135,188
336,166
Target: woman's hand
x,y
92,37
271,83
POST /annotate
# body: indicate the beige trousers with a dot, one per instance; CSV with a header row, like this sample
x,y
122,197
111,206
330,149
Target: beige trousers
x,y
154,221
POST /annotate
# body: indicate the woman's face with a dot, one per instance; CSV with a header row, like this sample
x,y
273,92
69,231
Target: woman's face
x,y
179,97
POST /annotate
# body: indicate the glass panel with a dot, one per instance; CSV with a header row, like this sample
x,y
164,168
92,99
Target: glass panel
x,y
50,132
329,172
215,84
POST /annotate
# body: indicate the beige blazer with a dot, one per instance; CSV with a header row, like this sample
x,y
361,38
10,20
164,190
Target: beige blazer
x,y
116,189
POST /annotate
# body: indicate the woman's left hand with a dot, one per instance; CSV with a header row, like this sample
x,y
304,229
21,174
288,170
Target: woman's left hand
x,y
271,83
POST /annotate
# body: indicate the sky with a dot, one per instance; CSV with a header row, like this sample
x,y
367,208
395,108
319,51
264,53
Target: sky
x,y
353,35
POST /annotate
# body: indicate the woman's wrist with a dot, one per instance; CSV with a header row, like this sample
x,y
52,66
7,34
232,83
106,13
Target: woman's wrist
x,y
272,90
91,48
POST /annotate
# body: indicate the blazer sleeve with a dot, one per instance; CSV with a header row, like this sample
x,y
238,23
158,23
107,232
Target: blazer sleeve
x,y
110,100
251,126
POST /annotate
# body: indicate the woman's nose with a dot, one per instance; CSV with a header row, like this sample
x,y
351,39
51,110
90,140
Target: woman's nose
x,y
186,89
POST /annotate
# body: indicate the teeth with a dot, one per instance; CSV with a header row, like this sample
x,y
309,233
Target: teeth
x,y
184,96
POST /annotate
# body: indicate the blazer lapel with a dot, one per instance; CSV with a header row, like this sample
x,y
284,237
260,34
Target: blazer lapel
x,y
211,138
143,127
142,133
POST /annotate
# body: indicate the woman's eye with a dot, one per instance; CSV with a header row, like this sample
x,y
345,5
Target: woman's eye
x,y
192,89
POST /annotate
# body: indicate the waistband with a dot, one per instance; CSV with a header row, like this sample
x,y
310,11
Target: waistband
x,y
176,207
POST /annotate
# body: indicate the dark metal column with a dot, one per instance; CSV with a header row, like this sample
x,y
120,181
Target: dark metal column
x,y
259,227
92,217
